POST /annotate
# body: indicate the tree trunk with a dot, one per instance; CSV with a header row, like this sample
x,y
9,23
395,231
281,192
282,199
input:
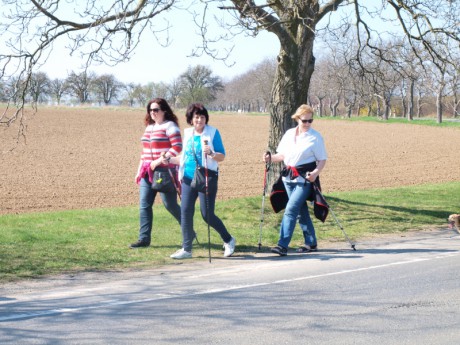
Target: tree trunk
x,y
387,110
419,105
404,107
358,109
335,106
321,105
439,103
410,101
349,109
455,110
379,107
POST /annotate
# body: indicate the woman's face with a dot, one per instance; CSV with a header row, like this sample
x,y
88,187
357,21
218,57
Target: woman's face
x,y
198,121
305,121
156,113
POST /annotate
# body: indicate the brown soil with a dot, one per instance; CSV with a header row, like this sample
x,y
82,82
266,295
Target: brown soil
x,y
87,158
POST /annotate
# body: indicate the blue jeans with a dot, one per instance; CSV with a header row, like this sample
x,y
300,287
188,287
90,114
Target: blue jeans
x,y
146,199
297,210
189,197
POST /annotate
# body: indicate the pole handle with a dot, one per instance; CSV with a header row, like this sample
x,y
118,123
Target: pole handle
x,y
269,163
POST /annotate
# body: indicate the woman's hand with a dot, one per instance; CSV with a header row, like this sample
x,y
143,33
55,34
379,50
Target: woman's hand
x,y
267,157
165,159
156,163
273,158
207,149
311,176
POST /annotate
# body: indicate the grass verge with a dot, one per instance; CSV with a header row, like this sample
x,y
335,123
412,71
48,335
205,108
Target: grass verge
x,y
32,245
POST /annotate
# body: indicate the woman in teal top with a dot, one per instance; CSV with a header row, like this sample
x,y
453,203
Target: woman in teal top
x,y
202,144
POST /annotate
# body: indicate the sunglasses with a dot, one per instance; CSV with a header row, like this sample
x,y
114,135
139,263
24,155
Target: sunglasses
x,y
155,110
305,121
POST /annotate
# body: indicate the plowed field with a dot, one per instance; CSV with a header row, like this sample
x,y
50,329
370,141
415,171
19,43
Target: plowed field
x,y
87,158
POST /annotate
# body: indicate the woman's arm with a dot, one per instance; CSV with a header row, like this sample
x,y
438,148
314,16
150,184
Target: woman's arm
x,y
217,156
170,160
276,158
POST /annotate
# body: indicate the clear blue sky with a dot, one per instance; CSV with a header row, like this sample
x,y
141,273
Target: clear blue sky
x,y
153,63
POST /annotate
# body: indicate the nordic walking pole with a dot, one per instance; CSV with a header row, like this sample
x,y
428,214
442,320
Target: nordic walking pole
x,y
341,228
176,186
207,200
267,167
335,218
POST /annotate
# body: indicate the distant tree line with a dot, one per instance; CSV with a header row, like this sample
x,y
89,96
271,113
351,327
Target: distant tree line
x,y
196,84
341,86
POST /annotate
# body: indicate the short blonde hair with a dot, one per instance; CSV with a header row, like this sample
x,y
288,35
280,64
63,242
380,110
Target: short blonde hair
x,y
302,110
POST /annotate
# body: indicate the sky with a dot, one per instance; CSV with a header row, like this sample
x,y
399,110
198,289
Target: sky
x,y
153,63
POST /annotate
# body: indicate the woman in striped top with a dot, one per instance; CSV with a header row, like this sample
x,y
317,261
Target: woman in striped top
x,y
161,138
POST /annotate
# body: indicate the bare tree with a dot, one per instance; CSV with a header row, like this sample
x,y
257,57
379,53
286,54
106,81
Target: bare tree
x,y
128,94
162,90
80,85
39,87
106,87
454,86
264,74
174,91
3,92
320,85
296,23
249,91
198,84
57,89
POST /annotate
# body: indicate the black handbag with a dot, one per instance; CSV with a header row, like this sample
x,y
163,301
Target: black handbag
x,y
162,180
199,177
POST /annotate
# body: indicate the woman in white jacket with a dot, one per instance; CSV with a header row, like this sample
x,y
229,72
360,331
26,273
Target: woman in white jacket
x,y
202,145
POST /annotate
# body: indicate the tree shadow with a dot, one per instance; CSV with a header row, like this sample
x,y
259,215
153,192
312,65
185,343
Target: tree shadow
x,y
426,212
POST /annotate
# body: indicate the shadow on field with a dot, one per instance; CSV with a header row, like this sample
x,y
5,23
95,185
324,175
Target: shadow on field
x,y
399,209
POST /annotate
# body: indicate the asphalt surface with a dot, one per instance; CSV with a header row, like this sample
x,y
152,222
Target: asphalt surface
x,y
391,290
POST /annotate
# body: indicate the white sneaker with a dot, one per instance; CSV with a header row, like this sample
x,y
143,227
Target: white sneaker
x,y
229,247
181,254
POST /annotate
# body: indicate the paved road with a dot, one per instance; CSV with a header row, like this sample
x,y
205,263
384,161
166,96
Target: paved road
x,y
393,290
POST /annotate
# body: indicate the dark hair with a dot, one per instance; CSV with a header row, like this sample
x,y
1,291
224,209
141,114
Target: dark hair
x,y
164,106
196,108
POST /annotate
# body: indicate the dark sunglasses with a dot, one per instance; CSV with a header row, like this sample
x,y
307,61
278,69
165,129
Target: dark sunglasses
x,y
155,110
305,121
